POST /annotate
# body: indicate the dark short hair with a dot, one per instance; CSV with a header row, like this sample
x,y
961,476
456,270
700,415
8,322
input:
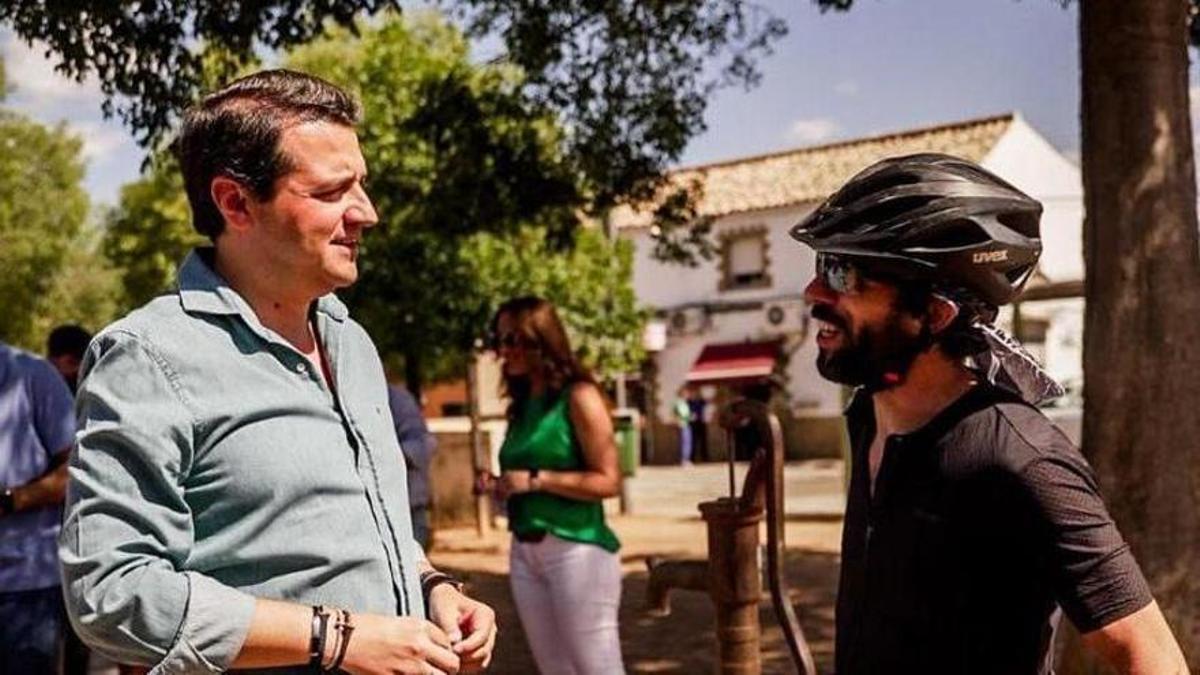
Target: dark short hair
x,y
68,340
235,132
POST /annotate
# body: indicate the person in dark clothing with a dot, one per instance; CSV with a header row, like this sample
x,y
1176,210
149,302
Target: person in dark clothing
x,y
971,520
418,446
65,348
697,405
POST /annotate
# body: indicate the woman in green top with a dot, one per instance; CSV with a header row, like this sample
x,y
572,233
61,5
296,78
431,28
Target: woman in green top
x,y
558,461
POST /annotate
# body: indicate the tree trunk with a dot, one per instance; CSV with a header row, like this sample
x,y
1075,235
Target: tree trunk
x,y
1141,353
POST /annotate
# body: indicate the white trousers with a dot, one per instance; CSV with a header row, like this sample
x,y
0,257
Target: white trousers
x,y
567,596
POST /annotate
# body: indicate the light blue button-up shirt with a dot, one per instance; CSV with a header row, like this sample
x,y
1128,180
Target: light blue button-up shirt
x,y
214,465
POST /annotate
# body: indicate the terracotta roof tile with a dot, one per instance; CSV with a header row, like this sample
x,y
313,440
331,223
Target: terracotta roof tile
x,y
811,174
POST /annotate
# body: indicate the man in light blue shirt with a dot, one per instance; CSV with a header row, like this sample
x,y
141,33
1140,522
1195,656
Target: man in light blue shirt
x,y
237,500
37,427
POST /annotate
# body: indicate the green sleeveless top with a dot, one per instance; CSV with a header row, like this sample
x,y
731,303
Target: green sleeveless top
x,y
542,438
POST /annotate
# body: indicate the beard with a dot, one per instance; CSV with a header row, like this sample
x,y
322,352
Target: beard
x,y
874,357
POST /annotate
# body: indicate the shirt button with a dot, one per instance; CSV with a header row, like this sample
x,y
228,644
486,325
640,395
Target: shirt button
x,y
300,368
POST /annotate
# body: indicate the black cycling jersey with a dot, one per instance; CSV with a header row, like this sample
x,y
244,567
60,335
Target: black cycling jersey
x,y
983,523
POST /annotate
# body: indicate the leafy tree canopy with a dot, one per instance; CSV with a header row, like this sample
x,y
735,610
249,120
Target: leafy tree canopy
x,y
42,208
149,233
629,79
477,203
590,285
456,152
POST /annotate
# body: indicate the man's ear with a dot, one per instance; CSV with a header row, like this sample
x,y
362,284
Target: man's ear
x,y
941,313
232,201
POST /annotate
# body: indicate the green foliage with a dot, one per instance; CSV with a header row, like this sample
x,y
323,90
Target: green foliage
x,y
464,173
148,234
132,47
42,209
589,285
630,79
477,203
85,291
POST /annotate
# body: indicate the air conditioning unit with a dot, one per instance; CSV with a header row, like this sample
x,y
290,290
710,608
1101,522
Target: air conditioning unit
x,y
775,315
688,321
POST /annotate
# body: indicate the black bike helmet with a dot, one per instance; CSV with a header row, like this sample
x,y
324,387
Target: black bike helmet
x,y
933,217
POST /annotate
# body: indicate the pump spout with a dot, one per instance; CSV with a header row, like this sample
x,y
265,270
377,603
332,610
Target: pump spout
x,y
665,575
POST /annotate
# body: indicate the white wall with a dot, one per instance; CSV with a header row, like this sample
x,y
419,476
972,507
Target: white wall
x,y
1026,159
666,286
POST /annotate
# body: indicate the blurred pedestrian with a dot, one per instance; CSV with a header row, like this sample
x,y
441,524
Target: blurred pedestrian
x,y
683,419
418,446
65,348
697,412
37,428
558,462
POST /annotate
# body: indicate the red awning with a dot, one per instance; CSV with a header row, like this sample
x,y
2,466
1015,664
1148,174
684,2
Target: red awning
x,y
735,361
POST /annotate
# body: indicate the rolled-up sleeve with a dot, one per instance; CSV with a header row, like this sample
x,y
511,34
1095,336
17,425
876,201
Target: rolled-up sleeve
x,y
128,530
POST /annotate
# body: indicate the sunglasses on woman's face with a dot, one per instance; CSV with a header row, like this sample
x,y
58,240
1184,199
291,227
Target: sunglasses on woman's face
x,y
838,273
512,341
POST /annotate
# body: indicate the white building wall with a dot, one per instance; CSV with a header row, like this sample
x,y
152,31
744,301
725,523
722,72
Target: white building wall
x,y
1026,159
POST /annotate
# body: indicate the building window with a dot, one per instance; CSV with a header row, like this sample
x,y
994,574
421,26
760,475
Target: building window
x,y
744,259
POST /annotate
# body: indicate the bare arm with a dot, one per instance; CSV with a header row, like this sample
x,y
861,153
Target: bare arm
x,y
601,476
1138,644
279,636
49,489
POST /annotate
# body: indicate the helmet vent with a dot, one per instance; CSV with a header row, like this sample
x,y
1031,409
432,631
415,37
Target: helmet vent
x,y
1025,223
889,209
960,233
852,194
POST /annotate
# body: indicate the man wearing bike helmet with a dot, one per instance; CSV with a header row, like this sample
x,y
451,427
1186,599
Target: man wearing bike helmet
x,y
971,519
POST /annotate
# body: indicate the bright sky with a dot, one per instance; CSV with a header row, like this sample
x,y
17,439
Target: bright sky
x,y
885,66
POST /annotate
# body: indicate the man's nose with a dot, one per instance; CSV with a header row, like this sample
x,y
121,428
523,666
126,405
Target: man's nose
x,y
362,211
818,292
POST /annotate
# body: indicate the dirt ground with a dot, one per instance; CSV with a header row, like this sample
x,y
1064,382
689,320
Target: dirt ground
x,y
684,641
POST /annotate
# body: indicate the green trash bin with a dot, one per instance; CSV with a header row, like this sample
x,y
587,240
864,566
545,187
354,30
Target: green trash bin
x,y
628,429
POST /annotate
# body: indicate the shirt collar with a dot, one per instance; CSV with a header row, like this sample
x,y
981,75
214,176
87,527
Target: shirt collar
x,y
203,291
861,410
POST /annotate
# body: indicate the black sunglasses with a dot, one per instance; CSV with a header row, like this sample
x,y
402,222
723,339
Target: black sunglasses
x,y
512,340
838,273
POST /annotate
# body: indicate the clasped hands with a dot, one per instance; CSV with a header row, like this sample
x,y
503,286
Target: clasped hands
x,y
508,483
458,638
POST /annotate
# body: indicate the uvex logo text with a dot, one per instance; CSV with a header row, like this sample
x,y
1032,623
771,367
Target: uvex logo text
x,y
990,256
